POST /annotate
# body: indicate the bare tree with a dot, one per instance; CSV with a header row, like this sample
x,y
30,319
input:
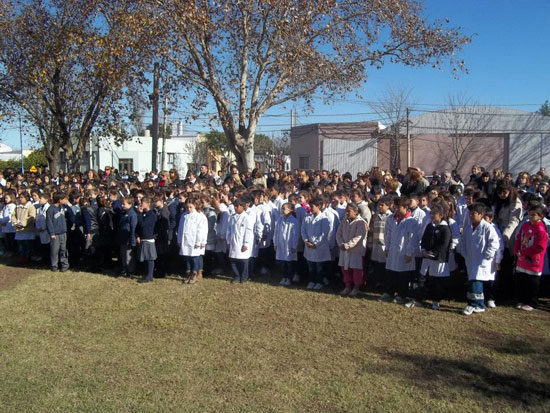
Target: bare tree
x,y
248,56
392,110
465,123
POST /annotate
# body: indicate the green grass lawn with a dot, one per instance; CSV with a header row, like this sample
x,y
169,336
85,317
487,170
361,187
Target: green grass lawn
x,y
86,342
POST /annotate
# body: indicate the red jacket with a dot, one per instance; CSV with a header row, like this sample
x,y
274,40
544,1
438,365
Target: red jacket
x,y
530,247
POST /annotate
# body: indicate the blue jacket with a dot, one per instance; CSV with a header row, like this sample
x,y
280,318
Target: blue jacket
x,y
56,223
126,233
146,225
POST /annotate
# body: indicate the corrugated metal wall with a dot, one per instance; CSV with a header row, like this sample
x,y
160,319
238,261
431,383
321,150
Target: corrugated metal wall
x,y
349,155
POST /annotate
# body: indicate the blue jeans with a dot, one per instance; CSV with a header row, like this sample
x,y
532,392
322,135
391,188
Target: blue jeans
x,y
475,294
289,267
316,273
240,269
192,263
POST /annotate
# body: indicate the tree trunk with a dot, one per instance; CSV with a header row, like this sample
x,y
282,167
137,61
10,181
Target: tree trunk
x,y
245,156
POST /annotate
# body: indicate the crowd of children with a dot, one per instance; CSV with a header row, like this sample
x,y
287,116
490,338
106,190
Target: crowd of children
x,y
403,234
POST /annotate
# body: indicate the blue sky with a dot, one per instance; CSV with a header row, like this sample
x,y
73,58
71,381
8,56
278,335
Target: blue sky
x,y
508,60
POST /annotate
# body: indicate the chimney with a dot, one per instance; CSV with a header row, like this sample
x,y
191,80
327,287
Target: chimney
x,y
147,133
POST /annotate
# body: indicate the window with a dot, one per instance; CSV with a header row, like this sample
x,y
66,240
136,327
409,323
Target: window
x,y
170,158
303,162
127,164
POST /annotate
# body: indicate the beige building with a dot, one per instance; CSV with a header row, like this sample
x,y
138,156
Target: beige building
x,y
348,147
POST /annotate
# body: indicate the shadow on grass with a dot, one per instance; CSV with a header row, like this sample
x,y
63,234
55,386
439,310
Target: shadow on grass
x,y
437,373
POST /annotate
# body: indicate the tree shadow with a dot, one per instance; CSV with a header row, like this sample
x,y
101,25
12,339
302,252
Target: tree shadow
x,y
437,373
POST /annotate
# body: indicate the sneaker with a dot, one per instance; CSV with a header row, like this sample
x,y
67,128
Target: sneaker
x,y
491,304
354,292
435,305
288,283
468,310
296,278
526,307
318,286
410,304
235,280
310,286
519,305
385,298
283,281
399,300
345,291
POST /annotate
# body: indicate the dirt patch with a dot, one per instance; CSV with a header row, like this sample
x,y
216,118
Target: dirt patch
x,y
10,275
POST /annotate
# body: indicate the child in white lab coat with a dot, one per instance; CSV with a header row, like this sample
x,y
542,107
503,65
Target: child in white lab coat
x,y
285,241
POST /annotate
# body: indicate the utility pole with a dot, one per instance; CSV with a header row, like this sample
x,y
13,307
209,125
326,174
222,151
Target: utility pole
x,y
165,119
155,131
21,142
408,141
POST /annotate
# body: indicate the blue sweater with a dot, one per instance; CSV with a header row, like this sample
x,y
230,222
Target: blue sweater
x,y
127,228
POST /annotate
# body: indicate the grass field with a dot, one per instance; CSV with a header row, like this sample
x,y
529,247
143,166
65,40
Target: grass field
x,y
87,342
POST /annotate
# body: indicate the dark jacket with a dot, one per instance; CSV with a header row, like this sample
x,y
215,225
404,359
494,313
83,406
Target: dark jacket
x,y
126,232
146,225
437,239
55,220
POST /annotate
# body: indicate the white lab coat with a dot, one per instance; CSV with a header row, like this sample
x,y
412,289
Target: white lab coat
x,y
315,229
192,232
401,240
334,222
256,226
285,238
479,248
352,235
266,218
221,229
240,233
5,218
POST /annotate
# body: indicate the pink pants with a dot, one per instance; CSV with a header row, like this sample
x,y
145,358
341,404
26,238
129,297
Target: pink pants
x,y
352,277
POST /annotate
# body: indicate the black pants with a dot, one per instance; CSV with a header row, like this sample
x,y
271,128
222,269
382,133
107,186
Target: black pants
x,y
436,288
397,282
489,290
527,288
379,269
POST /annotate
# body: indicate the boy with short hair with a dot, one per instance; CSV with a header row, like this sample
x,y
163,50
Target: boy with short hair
x,y
480,243
56,225
126,234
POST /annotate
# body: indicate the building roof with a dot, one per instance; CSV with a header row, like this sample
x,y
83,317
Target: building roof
x,y
478,119
340,130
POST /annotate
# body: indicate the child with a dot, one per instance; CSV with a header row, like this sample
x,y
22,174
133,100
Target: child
x,y
219,202
192,237
23,219
145,230
402,242
315,233
351,238
240,238
377,245
212,218
530,247
489,285
43,235
57,230
6,225
126,236
435,246
479,243
285,241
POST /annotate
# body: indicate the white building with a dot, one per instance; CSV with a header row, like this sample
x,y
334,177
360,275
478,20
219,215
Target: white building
x,y
135,153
